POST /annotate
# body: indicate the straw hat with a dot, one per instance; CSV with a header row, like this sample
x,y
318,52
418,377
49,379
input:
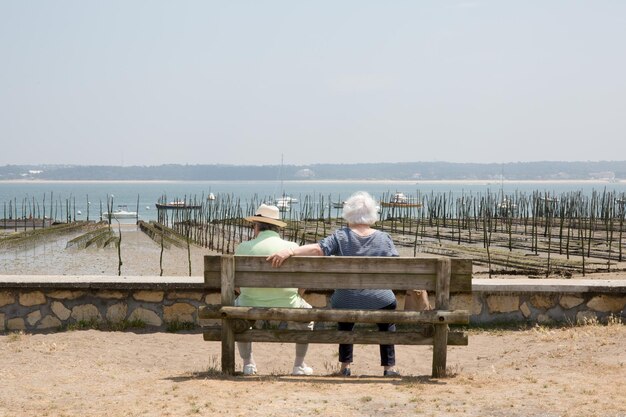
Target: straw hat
x,y
267,214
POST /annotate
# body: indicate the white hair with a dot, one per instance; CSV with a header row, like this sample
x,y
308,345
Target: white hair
x,y
360,208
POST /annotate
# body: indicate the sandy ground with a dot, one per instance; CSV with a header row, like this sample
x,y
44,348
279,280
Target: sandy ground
x,y
569,371
577,371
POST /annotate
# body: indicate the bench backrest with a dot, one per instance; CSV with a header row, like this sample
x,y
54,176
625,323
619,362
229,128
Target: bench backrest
x,y
332,272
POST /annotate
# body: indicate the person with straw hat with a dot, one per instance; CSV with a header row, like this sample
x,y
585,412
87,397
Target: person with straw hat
x,y
266,224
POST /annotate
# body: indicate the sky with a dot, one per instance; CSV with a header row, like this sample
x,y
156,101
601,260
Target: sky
x,y
150,82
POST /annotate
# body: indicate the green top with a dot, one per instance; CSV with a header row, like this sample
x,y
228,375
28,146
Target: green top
x,y
265,244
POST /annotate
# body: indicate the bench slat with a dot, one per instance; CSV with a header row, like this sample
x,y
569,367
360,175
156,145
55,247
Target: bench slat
x,y
342,264
334,315
314,280
327,273
359,337
346,264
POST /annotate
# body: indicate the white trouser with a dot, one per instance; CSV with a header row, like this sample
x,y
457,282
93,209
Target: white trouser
x,y
245,348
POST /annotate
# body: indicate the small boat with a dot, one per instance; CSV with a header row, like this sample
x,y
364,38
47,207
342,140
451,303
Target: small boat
x,y
338,204
177,204
284,203
286,200
507,207
211,196
121,212
400,200
507,204
392,204
549,200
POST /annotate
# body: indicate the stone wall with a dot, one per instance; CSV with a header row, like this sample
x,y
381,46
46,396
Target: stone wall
x,y
37,303
545,301
51,310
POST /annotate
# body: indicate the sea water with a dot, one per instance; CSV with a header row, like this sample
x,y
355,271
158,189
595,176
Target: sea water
x,y
92,196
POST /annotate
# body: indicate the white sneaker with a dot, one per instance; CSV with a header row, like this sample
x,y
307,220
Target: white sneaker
x,y
249,369
302,370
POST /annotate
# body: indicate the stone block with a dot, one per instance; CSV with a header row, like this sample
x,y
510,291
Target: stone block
x,y
32,298
469,302
86,312
525,310
213,298
111,295
65,294
149,296
6,298
49,322
477,304
181,312
543,301
33,317
544,319
607,303
503,303
586,317
117,312
147,316
189,295
16,324
60,310
568,301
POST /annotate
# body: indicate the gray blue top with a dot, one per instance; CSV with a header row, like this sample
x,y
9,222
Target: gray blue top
x,y
344,242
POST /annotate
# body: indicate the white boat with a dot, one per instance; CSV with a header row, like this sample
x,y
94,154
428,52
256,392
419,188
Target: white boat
x,y
121,212
284,203
286,200
507,207
507,204
400,200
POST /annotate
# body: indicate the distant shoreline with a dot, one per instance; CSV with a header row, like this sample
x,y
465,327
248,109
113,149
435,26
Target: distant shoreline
x,y
379,181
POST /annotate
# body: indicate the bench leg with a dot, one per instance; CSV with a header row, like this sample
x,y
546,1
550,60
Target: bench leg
x,y
228,299
442,301
440,350
228,348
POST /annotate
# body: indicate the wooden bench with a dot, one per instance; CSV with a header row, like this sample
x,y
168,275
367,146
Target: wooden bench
x,y
441,275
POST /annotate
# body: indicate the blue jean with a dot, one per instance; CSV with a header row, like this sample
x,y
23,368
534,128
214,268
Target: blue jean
x,y
387,352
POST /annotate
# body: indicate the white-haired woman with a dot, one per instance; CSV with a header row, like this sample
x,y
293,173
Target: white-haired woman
x,y
357,239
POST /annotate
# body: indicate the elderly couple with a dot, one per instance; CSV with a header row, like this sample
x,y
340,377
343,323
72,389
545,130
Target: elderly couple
x,y
357,239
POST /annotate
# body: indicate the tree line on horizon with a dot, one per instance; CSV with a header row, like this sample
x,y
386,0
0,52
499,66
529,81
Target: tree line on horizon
x,y
545,170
